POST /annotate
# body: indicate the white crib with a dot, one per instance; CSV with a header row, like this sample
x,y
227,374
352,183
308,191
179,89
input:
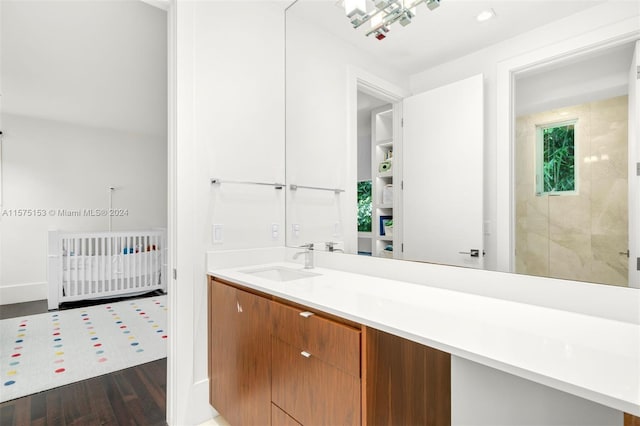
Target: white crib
x,y
105,264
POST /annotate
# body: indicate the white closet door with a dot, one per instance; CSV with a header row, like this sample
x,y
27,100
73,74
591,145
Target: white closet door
x,y
443,137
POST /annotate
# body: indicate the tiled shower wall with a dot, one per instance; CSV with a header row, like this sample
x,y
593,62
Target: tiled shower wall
x,y
578,236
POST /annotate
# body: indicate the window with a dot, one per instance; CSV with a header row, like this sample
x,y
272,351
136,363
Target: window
x,y
556,165
364,206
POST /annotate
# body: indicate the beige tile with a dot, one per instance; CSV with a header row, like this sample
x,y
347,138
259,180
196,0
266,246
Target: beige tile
x,y
610,208
570,257
533,258
609,266
570,214
573,236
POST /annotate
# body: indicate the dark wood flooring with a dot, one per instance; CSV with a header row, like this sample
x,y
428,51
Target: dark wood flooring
x,y
135,396
19,309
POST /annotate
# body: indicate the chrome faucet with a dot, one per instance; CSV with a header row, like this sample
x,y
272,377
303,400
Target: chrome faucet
x,y
331,247
308,255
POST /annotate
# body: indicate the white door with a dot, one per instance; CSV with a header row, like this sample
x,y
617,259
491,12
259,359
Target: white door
x,y
634,170
443,137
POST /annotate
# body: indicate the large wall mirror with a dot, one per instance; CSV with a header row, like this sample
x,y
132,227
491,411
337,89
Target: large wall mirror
x,y
382,162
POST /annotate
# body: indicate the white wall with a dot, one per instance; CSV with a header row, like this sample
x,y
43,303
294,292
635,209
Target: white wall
x,y
483,396
318,152
83,108
230,125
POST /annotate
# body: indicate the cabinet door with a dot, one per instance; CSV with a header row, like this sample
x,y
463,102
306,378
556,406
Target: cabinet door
x,y
222,351
406,383
239,355
253,352
312,391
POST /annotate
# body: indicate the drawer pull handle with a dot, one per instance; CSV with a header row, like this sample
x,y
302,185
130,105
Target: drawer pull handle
x,y
306,314
305,354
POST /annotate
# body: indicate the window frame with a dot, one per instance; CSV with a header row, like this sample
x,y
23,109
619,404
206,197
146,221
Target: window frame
x,y
539,158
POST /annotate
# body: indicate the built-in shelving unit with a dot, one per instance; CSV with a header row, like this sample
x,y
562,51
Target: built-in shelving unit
x,y
383,182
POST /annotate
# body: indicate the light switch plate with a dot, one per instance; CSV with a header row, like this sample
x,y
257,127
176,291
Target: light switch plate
x,y
295,228
486,228
218,233
275,231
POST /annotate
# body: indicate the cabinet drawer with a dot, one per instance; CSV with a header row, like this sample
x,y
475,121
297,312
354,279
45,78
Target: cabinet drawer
x,y
332,342
280,418
312,391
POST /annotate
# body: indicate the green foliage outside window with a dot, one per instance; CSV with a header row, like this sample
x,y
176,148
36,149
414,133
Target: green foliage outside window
x,y
364,206
558,158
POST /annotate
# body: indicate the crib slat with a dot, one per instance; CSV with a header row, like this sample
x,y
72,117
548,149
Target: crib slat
x,y
136,262
128,273
109,264
155,259
64,259
83,265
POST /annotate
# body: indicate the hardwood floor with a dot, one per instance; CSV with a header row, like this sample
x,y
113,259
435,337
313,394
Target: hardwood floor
x,y
134,396
27,308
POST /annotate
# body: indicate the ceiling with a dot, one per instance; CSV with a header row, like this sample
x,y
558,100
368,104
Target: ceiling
x,y
446,33
584,78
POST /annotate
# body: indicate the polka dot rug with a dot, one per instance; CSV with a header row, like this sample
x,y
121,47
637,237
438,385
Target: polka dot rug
x,y
40,352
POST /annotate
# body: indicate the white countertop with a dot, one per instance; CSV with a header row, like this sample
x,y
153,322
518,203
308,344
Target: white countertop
x,y
591,357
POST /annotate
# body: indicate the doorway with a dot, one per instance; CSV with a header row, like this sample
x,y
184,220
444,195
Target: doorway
x,y
84,123
375,193
571,168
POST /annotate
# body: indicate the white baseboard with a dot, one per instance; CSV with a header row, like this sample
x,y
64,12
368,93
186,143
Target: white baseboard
x,y
201,411
19,293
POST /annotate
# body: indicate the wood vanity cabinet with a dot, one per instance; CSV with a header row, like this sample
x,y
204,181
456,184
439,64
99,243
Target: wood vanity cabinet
x,y
630,420
239,355
271,361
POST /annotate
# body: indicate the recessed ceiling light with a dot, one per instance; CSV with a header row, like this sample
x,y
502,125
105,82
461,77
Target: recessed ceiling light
x,y
485,15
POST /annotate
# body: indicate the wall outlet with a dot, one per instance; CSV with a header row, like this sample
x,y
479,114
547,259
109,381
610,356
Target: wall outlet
x,y
217,233
295,229
275,231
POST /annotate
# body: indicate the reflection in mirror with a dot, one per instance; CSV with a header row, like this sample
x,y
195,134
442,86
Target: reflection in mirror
x,y
571,169
349,103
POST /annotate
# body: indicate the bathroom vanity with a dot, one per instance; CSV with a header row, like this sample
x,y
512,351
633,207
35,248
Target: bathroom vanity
x,y
333,347
273,358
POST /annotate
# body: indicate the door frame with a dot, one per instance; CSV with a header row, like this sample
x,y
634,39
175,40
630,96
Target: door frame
x,y
361,80
602,38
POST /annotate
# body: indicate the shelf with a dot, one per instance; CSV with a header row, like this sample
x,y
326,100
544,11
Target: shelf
x,y
385,143
384,206
385,175
365,234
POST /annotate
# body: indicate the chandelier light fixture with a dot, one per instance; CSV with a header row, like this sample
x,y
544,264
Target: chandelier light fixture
x,y
383,13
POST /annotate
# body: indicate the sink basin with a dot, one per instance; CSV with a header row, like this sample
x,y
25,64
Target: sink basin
x,y
280,273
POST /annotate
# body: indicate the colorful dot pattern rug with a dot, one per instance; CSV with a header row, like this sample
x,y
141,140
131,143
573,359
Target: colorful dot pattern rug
x,y
40,352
